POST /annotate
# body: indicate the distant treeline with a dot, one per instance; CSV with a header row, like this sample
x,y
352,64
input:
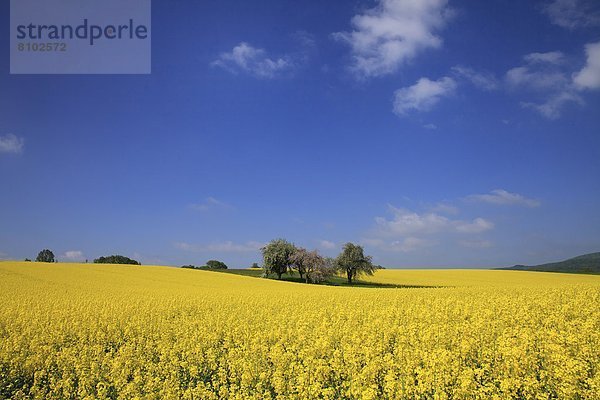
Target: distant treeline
x,y
116,259
47,255
210,264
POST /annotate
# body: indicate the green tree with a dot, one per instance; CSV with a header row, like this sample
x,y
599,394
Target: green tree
x,y
254,265
45,256
214,264
116,259
353,262
277,257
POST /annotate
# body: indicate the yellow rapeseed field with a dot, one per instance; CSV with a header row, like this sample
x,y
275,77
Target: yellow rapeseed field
x,y
104,331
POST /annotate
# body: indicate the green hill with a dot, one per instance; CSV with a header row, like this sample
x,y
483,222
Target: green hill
x,y
585,264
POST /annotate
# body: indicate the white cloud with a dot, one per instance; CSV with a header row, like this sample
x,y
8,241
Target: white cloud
x,y
221,247
541,72
502,197
423,95
544,75
406,222
11,143
535,79
254,61
73,255
430,126
392,33
550,57
210,203
409,231
573,14
552,108
589,76
481,80
326,244
409,223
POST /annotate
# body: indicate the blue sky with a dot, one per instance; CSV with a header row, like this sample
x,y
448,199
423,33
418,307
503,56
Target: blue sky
x,y
435,133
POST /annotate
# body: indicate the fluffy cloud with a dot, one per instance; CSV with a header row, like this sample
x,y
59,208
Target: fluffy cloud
x,y
536,78
221,247
210,203
573,14
541,71
545,78
405,222
551,57
481,80
11,143
254,61
392,33
552,107
544,75
589,76
423,95
409,231
502,197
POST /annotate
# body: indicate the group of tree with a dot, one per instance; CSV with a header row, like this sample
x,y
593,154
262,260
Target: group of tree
x,y
116,259
47,255
210,264
279,257
282,257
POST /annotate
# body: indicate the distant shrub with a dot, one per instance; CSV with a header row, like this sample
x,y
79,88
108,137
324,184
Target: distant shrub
x,y
255,265
116,259
190,266
27,259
